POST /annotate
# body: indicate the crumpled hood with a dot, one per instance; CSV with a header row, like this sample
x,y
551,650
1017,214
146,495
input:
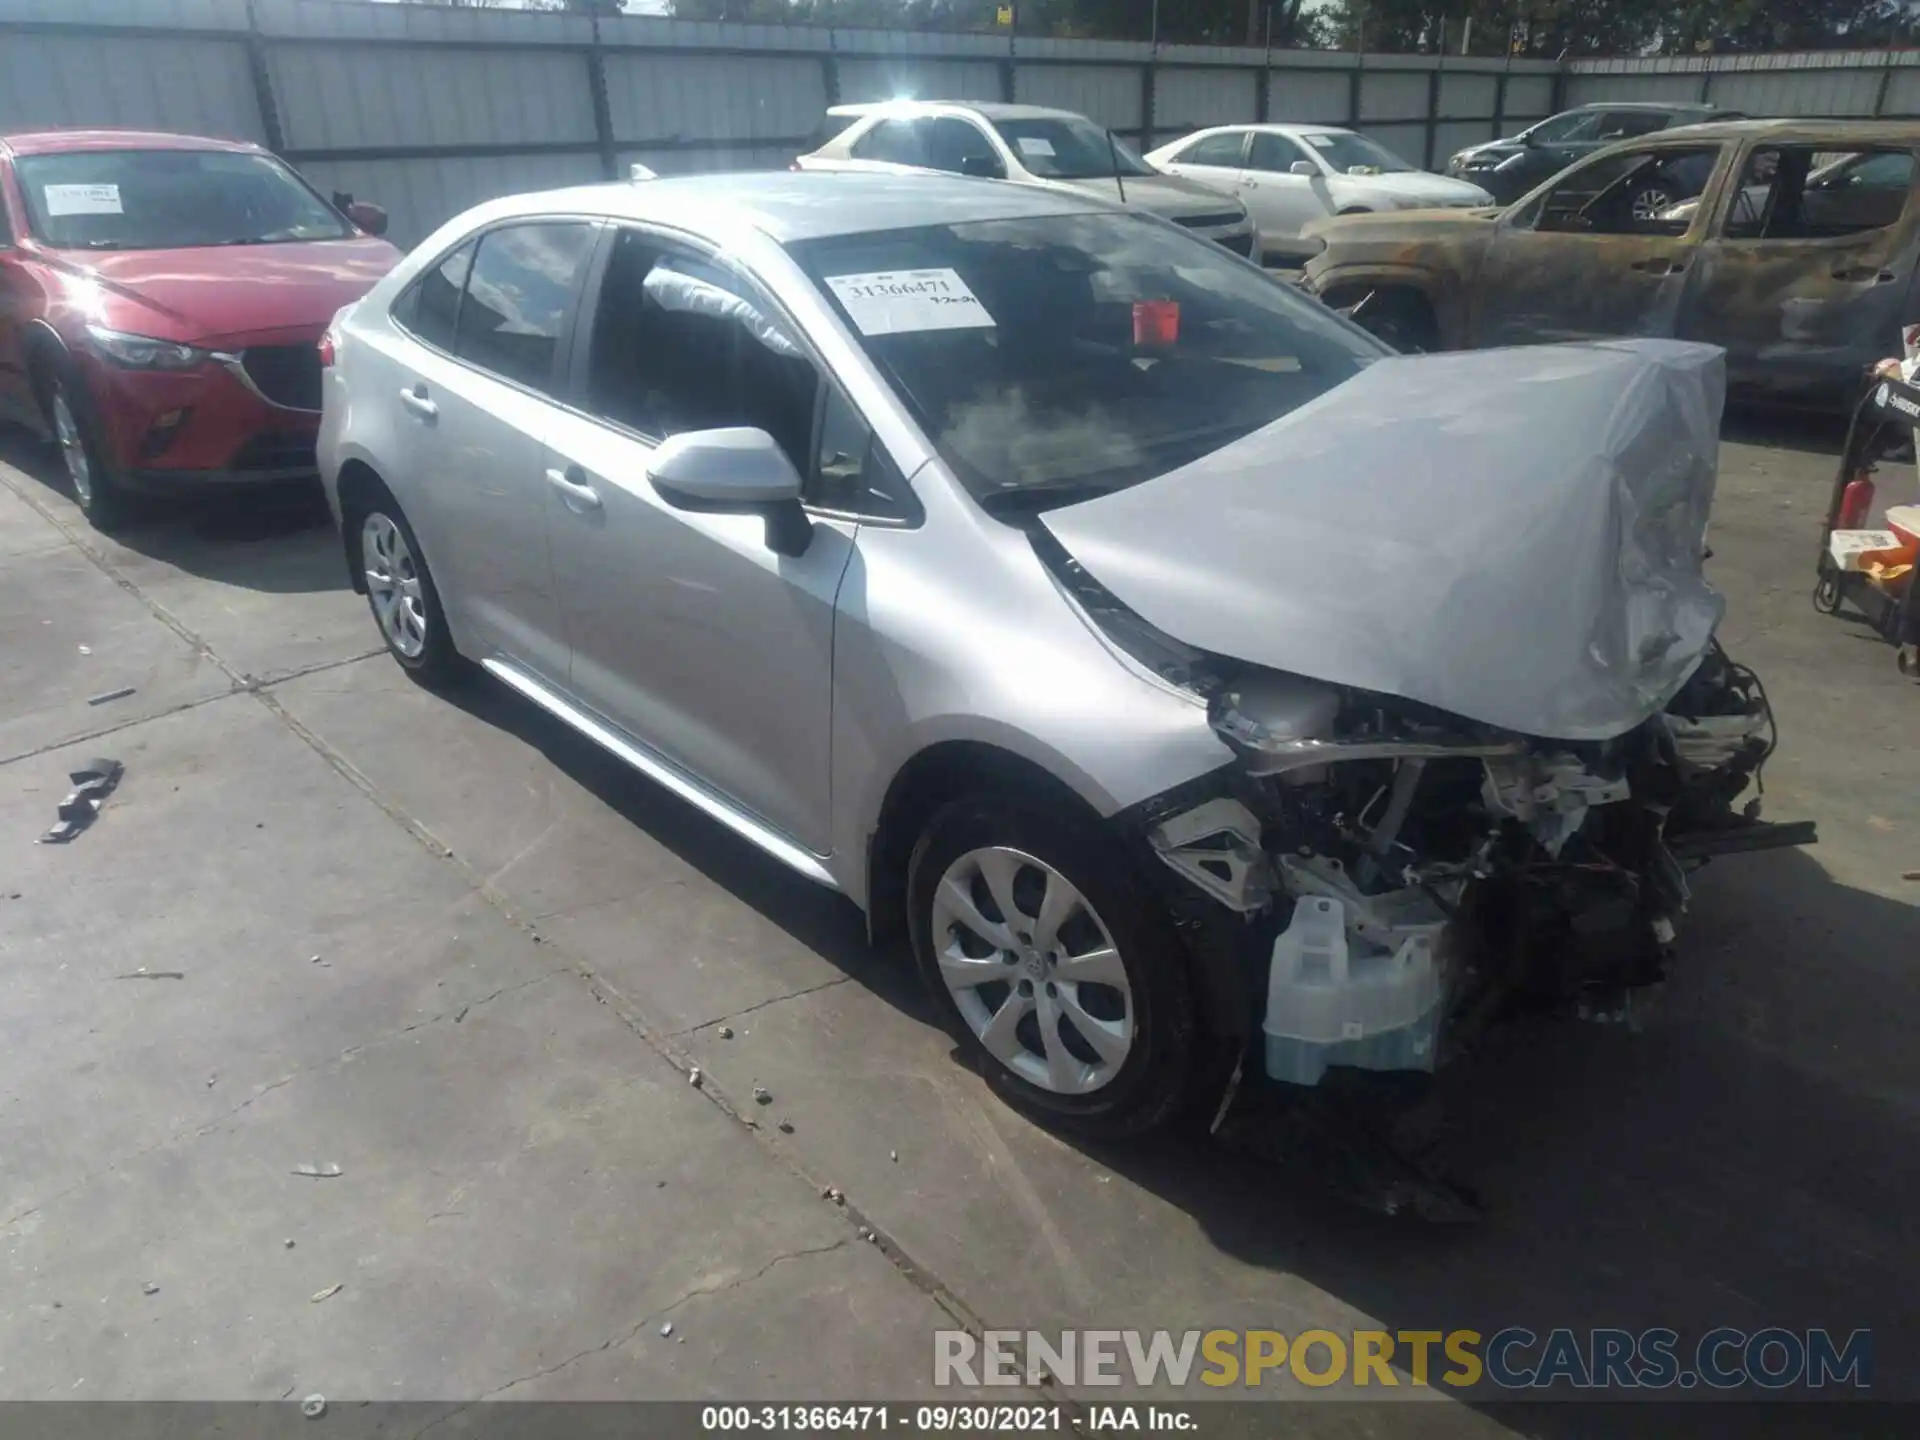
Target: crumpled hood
x,y
1511,536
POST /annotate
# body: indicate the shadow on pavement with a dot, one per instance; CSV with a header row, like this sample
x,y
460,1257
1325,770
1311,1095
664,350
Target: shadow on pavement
x,y
827,923
1721,1163
277,538
1746,1154
1813,432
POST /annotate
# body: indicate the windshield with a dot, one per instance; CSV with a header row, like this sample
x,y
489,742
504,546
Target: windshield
x,y
169,200
1354,154
1065,147
1056,358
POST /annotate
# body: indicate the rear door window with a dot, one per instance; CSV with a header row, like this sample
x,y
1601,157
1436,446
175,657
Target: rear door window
x,y
431,306
1795,192
520,293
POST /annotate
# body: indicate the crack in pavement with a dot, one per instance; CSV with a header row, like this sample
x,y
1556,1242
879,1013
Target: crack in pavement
x,y
208,1127
653,1317
625,1010
761,1005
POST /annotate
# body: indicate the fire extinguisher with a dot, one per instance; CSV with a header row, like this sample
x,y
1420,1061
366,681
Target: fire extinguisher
x,y
1856,502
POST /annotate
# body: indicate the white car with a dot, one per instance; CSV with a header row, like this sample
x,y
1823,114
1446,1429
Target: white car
x,y
1028,145
1291,175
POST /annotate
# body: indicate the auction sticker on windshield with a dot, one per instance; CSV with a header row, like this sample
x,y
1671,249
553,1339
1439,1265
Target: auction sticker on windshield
x,y
82,199
898,302
1037,145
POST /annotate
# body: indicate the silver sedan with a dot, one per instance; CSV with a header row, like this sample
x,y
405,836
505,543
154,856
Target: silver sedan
x,y
995,557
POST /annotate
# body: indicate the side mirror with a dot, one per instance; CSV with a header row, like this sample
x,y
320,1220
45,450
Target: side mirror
x,y
1303,167
982,167
734,469
738,468
368,216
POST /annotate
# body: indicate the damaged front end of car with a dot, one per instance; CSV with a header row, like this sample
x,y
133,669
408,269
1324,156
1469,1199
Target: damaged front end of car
x,y
1478,786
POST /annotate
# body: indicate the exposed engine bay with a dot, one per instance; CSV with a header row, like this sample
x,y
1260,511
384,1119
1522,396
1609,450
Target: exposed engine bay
x,y
1416,875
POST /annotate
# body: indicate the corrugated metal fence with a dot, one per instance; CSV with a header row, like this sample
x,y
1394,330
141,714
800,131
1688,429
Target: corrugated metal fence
x,y
430,109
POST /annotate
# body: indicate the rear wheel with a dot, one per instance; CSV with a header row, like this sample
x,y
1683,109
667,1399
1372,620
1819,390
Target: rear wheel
x,y
95,490
401,594
1061,979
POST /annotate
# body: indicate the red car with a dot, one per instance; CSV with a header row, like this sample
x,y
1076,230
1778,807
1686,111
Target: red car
x,y
161,298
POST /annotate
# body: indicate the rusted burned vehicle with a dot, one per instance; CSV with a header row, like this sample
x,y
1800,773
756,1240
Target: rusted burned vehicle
x,y
1789,242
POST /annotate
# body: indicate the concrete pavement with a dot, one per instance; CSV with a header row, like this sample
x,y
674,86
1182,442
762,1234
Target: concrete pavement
x,y
522,946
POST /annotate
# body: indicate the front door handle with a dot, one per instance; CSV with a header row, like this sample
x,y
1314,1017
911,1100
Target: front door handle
x,y
574,489
1660,265
1862,275
419,403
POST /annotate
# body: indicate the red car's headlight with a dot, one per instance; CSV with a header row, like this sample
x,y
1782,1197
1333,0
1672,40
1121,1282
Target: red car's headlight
x,y
139,352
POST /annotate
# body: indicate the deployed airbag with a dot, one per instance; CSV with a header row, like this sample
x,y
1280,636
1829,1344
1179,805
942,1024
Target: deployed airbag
x,y
1513,536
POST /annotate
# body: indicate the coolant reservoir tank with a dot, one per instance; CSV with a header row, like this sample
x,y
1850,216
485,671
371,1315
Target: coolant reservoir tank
x,y
1281,707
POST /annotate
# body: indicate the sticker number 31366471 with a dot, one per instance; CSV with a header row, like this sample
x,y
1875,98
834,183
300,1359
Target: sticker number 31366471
x,y
896,302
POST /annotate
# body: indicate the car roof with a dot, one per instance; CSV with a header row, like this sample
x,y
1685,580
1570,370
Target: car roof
x,y
807,204
1904,132
1664,107
990,109
54,142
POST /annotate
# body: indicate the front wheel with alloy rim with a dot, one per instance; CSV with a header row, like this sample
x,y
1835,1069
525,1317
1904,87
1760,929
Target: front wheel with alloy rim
x,y
1057,973
401,594
1651,202
94,489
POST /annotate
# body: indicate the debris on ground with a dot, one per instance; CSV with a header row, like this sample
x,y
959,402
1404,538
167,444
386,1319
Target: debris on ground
x,y
213,1079
315,960
666,1327
314,1406
865,1233
145,974
762,1095
287,1243
726,1032
693,1077
1910,875
149,1288
326,1294
92,783
86,649
317,1170
833,1194
122,693
786,1127
894,1156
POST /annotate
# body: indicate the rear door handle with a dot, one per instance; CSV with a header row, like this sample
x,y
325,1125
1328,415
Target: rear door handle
x,y
574,489
418,402
1660,265
1862,275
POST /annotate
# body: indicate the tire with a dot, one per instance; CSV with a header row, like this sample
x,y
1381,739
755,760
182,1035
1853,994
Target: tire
x,y
401,594
96,491
1118,1008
